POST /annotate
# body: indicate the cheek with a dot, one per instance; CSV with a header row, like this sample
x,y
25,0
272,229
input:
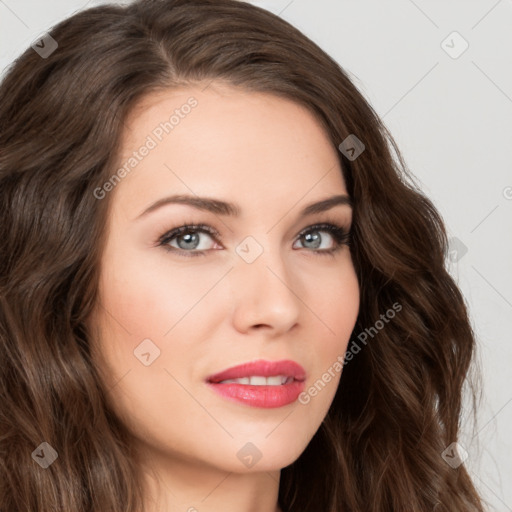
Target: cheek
x,y
153,308
336,308
148,298
142,303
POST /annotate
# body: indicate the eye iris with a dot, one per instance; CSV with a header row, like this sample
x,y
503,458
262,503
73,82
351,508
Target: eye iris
x,y
191,240
314,238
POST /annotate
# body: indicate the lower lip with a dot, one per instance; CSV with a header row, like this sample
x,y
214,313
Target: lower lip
x,y
260,396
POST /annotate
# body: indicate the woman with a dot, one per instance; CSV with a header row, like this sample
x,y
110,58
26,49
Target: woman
x,y
220,290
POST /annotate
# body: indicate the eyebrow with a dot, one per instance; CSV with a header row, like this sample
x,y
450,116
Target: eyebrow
x,y
219,207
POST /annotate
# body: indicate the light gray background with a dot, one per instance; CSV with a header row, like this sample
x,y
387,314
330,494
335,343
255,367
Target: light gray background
x,y
452,119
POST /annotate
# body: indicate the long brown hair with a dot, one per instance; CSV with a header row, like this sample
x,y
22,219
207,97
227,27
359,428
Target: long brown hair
x,y
398,405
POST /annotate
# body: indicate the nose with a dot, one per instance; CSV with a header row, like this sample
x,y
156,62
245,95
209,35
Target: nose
x,y
265,295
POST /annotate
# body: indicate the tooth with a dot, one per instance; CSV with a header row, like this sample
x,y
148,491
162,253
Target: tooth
x,y
258,381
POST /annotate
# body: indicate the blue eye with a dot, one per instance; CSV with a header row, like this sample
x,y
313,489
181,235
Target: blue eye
x,y
188,239
340,235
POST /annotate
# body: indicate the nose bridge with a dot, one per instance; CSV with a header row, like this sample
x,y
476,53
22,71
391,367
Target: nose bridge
x,y
261,259
263,289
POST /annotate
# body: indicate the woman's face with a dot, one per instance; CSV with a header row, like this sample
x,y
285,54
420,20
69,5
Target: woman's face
x,y
177,310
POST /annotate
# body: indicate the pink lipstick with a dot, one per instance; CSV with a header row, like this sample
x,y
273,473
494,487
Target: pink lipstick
x,y
264,384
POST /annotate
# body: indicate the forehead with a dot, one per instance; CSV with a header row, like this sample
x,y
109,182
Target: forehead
x,y
225,139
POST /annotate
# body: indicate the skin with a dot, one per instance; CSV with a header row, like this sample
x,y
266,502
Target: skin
x,y
208,313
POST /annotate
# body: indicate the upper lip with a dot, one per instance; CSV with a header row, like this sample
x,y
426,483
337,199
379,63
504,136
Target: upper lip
x,y
261,368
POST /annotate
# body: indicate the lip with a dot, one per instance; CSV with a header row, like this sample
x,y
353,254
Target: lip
x,y
260,396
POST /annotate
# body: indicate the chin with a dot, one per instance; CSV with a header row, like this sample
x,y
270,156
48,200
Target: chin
x,y
269,451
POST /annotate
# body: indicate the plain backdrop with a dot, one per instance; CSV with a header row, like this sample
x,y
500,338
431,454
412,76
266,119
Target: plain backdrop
x,y
439,73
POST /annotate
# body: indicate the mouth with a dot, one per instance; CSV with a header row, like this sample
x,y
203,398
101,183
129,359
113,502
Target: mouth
x,y
264,384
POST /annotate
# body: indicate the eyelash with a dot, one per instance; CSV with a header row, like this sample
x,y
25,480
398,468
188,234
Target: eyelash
x,y
340,235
